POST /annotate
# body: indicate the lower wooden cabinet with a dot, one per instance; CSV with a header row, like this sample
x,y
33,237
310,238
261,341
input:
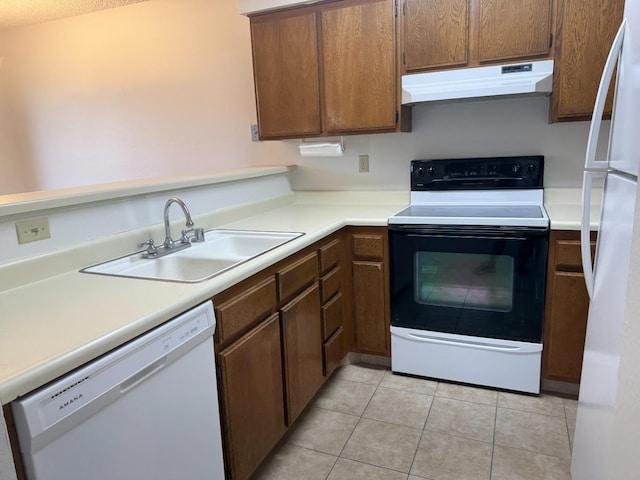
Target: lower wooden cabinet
x,y
282,332
370,277
567,307
252,393
302,342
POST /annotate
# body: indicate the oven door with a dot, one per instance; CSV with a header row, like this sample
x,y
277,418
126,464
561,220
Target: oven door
x,y
479,281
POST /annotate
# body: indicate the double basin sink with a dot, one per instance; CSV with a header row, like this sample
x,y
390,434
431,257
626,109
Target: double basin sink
x,y
220,251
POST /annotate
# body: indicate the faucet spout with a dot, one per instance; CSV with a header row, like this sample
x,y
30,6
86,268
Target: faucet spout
x,y
168,241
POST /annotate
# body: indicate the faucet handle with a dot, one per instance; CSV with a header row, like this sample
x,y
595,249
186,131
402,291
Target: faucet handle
x,y
197,235
151,247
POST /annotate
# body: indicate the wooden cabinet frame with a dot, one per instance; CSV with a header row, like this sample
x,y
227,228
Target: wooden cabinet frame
x,y
584,33
348,99
566,309
469,21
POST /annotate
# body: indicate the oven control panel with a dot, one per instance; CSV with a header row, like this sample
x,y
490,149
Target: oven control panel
x,y
477,173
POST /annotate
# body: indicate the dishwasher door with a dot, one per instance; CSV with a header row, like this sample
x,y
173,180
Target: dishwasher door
x,y
147,410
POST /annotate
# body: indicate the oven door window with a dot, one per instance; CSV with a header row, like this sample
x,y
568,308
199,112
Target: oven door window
x,y
464,280
485,284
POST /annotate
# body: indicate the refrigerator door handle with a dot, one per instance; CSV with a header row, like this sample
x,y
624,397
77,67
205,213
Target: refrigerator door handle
x,y
601,98
585,230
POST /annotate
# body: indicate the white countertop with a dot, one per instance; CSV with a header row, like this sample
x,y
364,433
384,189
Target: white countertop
x,y
563,205
55,324
51,326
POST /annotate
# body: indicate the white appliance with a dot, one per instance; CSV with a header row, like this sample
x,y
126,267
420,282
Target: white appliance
x,y
147,410
468,261
494,80
603,409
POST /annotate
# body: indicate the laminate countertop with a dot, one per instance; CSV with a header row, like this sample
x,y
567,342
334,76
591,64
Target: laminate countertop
x,y
54,318
59,321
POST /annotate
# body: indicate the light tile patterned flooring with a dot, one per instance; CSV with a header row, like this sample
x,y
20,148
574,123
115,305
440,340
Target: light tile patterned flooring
x,y
367,423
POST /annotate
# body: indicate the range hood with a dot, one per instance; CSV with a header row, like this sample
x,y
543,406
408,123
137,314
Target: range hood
x,y
512,79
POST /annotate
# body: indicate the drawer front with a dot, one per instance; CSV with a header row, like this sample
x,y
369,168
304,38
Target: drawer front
x,y
568,254
331,316
329,255
296,277
368,246
245,309
330,284
333,351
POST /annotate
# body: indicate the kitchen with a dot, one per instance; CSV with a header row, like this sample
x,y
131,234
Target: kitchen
x,y
165,96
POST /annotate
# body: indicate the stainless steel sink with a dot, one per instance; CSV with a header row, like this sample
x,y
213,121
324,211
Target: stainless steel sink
x,y
221,250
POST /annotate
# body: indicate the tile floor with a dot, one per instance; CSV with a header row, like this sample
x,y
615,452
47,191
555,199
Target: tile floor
x,y
367,423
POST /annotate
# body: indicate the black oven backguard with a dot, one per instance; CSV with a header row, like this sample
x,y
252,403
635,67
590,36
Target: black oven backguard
x,y
469,280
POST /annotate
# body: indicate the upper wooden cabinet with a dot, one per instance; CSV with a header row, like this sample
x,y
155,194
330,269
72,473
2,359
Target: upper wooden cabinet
x,y
359,60
327,69
514,29
285,63
585,31
436,34
444,34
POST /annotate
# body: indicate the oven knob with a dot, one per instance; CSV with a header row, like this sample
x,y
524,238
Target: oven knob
x,y
431,171
420,172
516,169
531,169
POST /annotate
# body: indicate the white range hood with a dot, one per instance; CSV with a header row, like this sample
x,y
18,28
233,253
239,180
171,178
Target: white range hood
x,y
512,79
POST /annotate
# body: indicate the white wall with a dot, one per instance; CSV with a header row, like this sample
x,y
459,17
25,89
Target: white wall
x,y
154,89
165,88
507,126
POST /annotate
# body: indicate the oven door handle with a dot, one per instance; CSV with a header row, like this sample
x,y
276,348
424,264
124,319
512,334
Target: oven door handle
x,y
481,345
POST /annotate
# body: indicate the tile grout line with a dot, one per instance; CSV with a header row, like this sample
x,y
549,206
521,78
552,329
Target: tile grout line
x,y
493,444
356,425
424,426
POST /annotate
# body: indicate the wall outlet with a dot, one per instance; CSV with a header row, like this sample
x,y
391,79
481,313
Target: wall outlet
x,y
363,163
32,230
254,133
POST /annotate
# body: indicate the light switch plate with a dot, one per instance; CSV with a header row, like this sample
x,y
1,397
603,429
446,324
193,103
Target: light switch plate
x,y
363,163
32,230
254,133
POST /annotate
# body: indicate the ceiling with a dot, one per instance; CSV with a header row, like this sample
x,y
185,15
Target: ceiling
x,y
17,13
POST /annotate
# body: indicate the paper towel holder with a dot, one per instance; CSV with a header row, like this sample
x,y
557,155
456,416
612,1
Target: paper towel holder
x,y
321,149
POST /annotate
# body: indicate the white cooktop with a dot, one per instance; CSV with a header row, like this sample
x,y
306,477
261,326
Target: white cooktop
x,y
478,207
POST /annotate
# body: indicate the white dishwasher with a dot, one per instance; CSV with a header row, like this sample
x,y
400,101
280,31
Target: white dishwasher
x,y
147,410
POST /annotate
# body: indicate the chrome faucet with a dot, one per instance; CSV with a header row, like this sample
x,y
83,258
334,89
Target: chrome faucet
x,y
188,235
168,241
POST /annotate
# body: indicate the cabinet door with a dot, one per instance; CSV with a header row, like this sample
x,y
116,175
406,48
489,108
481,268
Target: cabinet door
x,y
585,32
436,34
252,397
369,293
302,337
566,327
285,65
511,29
359,62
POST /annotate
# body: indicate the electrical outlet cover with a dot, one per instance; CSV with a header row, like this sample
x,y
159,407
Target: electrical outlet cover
x,y
32,230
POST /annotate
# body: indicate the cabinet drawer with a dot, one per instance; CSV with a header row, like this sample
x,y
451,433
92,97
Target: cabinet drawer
x,y
568,254
333,351
330,284
331,316
245,309
296,277
368,246
329,255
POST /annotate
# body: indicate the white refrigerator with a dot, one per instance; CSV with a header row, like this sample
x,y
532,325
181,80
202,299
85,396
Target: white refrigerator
x,y
607,435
